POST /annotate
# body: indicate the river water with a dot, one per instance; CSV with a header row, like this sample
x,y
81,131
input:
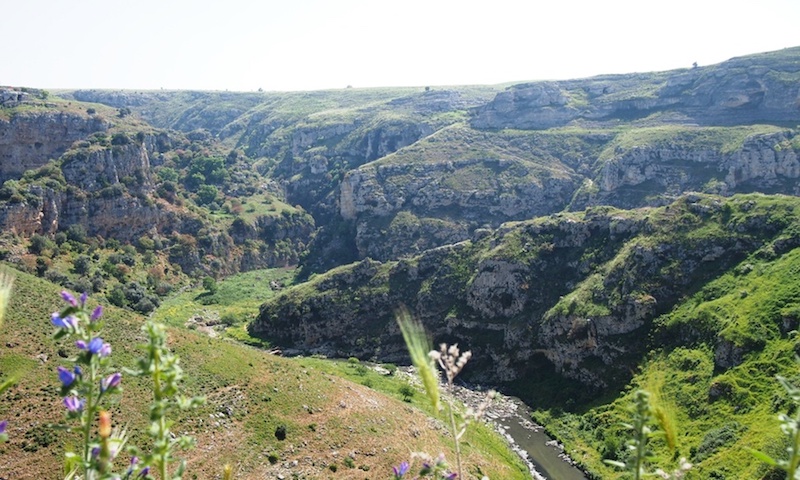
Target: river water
x,y
546,456
512,419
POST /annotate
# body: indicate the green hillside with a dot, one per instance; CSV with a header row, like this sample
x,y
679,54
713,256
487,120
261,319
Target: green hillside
x,y
695,302
327,418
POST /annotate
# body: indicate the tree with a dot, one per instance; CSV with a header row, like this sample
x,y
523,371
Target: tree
x,y
206,194
210,285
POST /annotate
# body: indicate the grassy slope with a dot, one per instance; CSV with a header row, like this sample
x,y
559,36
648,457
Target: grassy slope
x,y
718,412
249,394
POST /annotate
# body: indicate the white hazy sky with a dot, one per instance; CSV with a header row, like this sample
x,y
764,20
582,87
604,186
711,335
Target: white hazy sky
x,y
243,45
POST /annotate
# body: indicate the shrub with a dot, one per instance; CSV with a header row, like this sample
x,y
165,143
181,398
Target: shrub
x,y
145,306
81,264
76,233
207,194
407,391
40,243
210,285
229,319
120,139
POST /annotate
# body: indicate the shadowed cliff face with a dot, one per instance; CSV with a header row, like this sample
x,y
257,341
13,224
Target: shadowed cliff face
x,y
580,289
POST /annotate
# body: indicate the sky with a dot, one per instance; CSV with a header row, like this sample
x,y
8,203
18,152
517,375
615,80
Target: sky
x,y
287,45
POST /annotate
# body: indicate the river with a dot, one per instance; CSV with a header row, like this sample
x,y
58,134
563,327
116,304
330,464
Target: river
x,y
512,418
543,452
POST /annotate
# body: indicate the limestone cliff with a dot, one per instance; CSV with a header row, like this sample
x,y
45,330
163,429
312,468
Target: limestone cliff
x,y
573,293
753,89
104,189
447,187
30,140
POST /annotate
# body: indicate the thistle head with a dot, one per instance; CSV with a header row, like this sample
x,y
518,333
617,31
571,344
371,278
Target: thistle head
x,y
451,360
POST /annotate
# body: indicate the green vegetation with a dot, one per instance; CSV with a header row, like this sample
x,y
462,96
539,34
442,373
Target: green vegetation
x,y
248,392
228,309
723,140
700,297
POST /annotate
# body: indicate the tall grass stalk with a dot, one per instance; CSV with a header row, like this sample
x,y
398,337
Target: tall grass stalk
x,y
451,360
419,348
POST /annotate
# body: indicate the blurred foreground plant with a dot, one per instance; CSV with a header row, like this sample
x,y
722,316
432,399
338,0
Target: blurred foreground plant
x,y
451,360
164,369
644,416
790,426
86,386
89,384
6,284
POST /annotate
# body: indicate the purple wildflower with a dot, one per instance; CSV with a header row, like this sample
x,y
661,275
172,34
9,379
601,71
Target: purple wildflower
x,y
69,298
68,322
426,468
96,346
67,378
134,461
452,476
96,313
145,472
95,452
84,296
110,381
400,470
73,404
3,426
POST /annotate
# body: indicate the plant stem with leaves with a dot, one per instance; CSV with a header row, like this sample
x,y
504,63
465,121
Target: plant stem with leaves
x,y
790,425
164,369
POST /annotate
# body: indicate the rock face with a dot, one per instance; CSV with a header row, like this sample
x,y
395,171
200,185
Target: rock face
x,y
412,201
420,207
763,162
754,89
573,293
104,189
28,141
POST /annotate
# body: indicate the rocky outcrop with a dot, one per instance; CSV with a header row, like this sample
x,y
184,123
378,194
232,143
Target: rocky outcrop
x,y
579,290
104,189
285,235
92,170
643,173
754,89
401,209
409,202
30,140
